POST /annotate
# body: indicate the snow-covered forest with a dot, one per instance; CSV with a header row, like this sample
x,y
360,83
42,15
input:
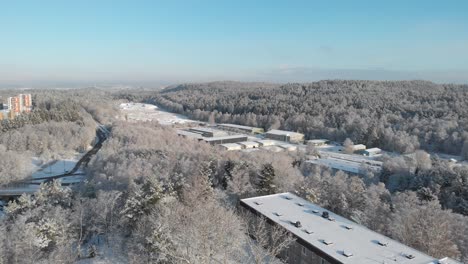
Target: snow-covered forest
x,y
153,197
399,116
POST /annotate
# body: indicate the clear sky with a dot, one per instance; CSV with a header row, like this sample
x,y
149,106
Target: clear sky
x,y
280,41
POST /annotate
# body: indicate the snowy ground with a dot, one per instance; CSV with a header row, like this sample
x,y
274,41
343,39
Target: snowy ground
x,y
148,112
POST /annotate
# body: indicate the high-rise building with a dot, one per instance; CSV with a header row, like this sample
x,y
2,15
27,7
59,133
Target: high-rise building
x,y
19,104
14,104
25,102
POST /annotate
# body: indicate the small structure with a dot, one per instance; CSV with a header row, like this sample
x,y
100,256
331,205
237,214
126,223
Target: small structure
x,y
188,134
266,142
249,144
240,128
225,139
273,148
318,142
286,136
288,147
230,146
207,132
359,147
371,152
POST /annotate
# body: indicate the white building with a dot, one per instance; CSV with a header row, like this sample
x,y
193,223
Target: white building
x,y
323,237
249,144
230,146
287,136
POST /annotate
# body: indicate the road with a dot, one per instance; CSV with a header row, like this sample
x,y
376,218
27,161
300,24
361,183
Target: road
x,y
31,185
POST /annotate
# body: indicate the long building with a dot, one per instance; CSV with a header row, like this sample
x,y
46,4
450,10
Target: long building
x,y
225,139
287,136
240,128
323,237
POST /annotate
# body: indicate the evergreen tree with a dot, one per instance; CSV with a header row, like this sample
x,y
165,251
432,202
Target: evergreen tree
x,y
266,180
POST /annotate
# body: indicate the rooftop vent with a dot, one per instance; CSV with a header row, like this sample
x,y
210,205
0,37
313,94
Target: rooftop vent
x,y
327,242
383,243
347,254
301,204
258,203
308,231
288,198
348,227
315,211
278,214
331,219
297,224
409,256
325,214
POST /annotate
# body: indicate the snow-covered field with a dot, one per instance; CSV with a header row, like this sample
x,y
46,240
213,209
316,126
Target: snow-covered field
x,y
148,112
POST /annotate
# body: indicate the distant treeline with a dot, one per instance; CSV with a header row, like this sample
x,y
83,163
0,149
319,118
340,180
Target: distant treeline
x,y
399,116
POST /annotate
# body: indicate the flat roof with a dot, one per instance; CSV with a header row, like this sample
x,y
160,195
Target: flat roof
x,y
373,150
343,234
189,134
359,146
318,141
344,165
284,133
225,137
238,126
266,141
205,129
231,145
249,143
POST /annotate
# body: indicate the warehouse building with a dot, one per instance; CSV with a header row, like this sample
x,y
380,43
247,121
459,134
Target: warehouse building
x,y
241,129
266,142
249,144
207,132
288,147
230,146
188,134
371,152
358,147
225,139
318,142
323,237
287,136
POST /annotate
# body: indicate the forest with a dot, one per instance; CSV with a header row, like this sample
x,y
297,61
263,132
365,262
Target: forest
x,y
62,122
153,197
400,116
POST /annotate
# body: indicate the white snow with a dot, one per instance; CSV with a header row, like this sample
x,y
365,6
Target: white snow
x,y
148,112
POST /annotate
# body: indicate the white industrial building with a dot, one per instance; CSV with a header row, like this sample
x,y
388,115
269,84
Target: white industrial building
x,y
240,128
323,237
372,152
287,136
230,146
266,142
249,144
318,142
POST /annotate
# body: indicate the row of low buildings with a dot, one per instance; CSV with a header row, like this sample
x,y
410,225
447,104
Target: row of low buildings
x,y
322,237
16,105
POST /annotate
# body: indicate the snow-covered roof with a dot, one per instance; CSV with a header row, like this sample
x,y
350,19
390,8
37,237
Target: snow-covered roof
x,y
249,144
373,150
359,146
342,235
231,146
188,134
284,133
266,142
238,126
344,165
225,137
318,141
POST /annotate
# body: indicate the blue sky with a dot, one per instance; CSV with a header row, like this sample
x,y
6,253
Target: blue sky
x,y
279,41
